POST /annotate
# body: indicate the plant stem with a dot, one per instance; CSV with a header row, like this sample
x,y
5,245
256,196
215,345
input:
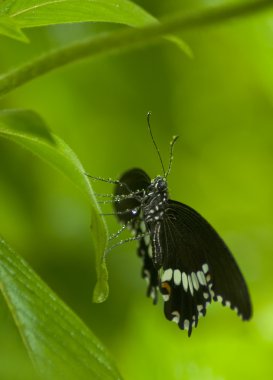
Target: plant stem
x,y
125,39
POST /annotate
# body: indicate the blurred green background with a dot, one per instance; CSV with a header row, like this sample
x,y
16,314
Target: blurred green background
x,y
221,104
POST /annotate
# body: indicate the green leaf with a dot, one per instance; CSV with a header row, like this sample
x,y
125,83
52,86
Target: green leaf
x,y
127,39
33,13
58,342
10,28
28,129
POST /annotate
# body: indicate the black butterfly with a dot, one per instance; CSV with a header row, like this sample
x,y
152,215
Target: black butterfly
x,y
183,256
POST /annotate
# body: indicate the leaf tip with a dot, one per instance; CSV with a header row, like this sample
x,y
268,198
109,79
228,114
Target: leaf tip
x,y
101,291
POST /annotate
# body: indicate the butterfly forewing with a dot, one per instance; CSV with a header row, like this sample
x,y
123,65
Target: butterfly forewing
x,y
131,182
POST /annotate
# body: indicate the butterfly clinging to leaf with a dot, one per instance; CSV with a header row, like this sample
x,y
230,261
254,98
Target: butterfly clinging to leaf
x,y
183,257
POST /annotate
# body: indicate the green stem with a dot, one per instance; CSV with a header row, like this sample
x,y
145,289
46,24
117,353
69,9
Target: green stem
x,y
125,39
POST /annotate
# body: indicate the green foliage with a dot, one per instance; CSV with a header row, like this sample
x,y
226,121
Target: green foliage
x,y
29,130
126,40
221,105
10,28
32,13
58,342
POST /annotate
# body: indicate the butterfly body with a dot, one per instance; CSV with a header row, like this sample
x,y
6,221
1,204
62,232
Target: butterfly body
x,y
154,203
183,257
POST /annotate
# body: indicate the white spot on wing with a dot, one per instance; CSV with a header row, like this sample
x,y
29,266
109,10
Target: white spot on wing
x,y
186,324
152,293
176,317
185,281
194,281
190,284
167,275
205,268
166,297
201,277
177,277
199,307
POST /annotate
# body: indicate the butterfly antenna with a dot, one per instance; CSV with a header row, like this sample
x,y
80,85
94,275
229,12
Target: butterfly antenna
x,y
156,147
172,143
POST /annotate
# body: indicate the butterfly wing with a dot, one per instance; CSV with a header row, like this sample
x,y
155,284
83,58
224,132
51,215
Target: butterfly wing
x,y
197,267
131,181
134,180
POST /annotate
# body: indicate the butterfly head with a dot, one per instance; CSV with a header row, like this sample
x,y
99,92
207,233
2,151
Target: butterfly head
x,y
159,184
155,200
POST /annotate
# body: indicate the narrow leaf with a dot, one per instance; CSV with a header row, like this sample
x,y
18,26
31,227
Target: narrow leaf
x,y
33,13
58,342
10,28
127,39
28,129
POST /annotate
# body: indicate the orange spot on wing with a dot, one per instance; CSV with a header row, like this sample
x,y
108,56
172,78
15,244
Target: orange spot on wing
x,y
166,285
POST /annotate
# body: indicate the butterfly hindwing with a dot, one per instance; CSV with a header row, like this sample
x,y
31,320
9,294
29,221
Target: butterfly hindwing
x,y
148,272
197,267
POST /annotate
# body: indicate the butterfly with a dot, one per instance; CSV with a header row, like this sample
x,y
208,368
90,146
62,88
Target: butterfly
x,y
183,257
